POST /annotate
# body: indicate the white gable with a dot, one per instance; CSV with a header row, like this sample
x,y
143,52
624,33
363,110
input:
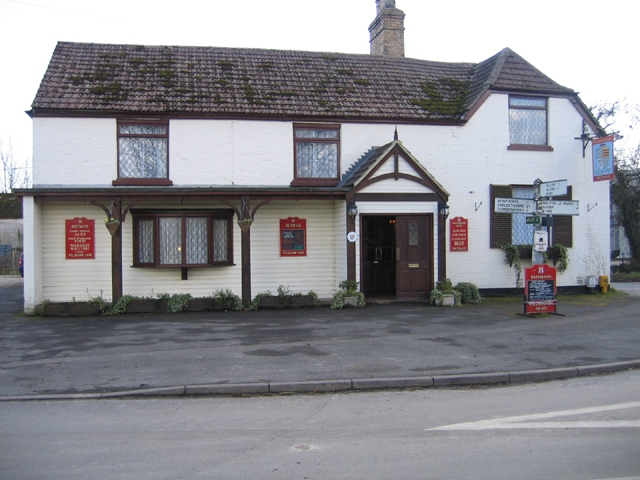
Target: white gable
x,y
390,185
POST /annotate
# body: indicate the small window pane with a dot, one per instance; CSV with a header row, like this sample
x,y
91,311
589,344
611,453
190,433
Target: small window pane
x,y
528,102
220,240
145,241
521,233
170,240
143,130
197,233
317,160
316,133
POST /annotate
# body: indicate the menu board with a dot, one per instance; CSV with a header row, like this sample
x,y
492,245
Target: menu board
x,y
81,239
540,289
293,237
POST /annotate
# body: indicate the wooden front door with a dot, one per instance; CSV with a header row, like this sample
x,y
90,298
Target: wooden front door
x,y
414,264
378,256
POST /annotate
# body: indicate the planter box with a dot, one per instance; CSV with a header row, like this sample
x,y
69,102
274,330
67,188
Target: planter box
x,y
220,306
55,309
273,302
200,305
295,301
448,300
351,302
83,309
143,306
303,301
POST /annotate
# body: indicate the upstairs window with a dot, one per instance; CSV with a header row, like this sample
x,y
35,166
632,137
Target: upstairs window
x,y
143,157
182,239
528,123
317,154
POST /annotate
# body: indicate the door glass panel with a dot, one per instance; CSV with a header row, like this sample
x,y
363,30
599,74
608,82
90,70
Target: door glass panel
x,y
413,234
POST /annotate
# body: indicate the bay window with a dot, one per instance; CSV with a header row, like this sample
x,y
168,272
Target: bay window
x,y
187,239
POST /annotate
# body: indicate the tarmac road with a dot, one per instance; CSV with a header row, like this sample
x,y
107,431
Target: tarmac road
x,y
319,349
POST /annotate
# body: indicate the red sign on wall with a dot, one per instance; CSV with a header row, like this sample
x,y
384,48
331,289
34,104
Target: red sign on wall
x,y
459,232
293,237
540,289
81,238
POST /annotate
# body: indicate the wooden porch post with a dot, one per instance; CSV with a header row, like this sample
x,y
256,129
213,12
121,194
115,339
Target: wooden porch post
x,y
245,220
115,217
351,246
442,246
116,257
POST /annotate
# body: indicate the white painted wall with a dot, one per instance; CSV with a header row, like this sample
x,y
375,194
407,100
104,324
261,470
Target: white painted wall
x,y
74,151
32,216
465,160
62,278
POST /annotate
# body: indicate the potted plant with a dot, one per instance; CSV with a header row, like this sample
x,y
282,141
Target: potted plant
x,y
445,295
348,296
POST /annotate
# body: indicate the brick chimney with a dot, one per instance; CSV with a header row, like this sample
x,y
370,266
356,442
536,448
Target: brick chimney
x,y
387,30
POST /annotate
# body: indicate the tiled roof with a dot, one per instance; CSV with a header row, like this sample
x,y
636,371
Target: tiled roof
x,y
209,81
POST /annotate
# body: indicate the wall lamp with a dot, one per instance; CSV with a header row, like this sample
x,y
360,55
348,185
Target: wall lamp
x,y
444,210
352,210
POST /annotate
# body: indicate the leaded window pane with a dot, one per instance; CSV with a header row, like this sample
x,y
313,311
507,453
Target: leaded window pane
x,y
142,130
528,102
220,240
170,240
317,160
528,127
316,133
521,233
413,234
197,238
145,241
142,157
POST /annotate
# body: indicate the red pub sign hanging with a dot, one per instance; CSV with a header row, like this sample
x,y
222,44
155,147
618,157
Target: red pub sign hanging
x,y
81,238
459,228
293,237
540,289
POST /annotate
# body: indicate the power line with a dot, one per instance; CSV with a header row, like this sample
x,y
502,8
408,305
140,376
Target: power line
x,y
60,9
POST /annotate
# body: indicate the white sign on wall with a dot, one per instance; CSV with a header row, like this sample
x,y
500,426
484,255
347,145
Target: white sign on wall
x,y
540,240
559,207
553,189
514,205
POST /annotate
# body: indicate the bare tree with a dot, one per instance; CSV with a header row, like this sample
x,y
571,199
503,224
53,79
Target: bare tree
x,y
13,175
625,187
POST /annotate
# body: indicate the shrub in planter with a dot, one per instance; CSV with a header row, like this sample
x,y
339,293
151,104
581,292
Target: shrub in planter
x,y
227,300
175,303
131,304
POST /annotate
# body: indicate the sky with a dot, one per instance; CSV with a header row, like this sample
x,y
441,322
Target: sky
x,y
579,44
